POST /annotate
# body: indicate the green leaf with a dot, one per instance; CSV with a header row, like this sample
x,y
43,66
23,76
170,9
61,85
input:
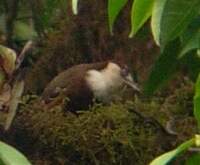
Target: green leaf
x,y
193,160
114,7
197,101
168,156
10,156
193,27
190,39
156,18
192,43
171,17
75,6
163,68
141,11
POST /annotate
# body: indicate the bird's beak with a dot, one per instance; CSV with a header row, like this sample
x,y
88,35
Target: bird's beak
x,y
128,80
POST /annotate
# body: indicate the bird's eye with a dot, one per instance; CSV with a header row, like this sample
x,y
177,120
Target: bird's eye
x,y
124,71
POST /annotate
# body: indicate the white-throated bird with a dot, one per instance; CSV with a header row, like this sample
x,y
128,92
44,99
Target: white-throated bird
x,y
83,83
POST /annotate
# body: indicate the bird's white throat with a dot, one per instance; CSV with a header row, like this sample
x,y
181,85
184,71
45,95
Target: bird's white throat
x,y
105,81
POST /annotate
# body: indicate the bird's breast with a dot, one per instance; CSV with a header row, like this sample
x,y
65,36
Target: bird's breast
x,y
97,84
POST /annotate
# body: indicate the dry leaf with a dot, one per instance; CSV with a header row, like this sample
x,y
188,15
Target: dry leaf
x,y
8,59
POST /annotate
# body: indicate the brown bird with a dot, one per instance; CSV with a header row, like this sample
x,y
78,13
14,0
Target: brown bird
x,y
83,83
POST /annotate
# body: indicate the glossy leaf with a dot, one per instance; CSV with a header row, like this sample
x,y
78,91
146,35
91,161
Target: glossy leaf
x,y
171,17
156,18
10,156
75,6
190,39
197,101
141,11
114,7
167,157
193,27
192,43
163,68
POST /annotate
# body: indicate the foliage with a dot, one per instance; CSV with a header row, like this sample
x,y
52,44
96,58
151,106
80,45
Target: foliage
x,y
114,7
161,72
190,38
167,157
140,13
10,156
169,21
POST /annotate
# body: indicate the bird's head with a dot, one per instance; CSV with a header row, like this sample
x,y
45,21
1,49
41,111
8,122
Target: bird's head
x,y
127,78
119,73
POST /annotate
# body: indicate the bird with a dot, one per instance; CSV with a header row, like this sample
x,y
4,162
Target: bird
x,y
82,84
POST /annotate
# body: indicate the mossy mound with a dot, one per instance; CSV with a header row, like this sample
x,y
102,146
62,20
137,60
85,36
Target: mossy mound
x,y
105,135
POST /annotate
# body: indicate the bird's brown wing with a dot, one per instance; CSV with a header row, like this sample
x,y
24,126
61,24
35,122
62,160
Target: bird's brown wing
x,y
71,83
61,83
70,79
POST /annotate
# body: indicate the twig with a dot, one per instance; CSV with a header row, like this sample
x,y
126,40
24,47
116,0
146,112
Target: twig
x,y
169,126
152,121
18,86
19,61
17,91
21,56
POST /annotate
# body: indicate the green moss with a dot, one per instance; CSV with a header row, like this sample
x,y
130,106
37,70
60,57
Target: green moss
x,y
104,135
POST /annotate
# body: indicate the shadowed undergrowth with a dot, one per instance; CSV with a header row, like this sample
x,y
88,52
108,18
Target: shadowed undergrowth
x,y
104,135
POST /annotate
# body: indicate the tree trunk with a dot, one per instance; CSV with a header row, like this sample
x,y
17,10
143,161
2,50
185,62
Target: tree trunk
x,y
11,14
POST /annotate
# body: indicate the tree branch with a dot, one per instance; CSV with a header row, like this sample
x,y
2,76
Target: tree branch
x,y
21,56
